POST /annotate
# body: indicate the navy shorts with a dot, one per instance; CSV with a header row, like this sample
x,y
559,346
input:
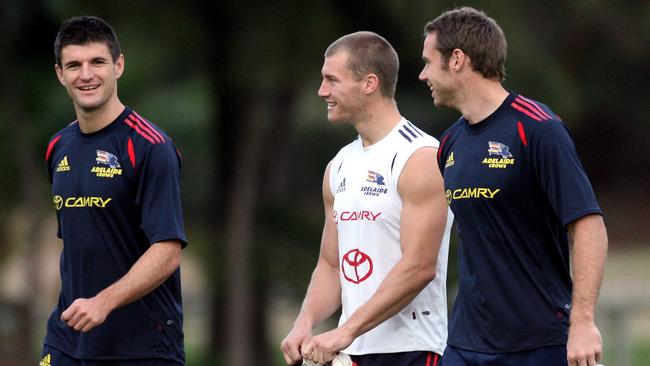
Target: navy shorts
x,y
53,357
553,355
415,358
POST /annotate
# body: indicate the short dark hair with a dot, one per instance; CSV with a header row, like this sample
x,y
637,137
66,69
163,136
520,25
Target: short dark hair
x,y
83,30
370,53
476,34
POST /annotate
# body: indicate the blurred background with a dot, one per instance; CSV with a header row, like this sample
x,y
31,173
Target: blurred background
x,y
234,83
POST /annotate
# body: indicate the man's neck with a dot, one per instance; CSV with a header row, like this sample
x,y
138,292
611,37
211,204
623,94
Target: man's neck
x,y
378,121
94,120
481,98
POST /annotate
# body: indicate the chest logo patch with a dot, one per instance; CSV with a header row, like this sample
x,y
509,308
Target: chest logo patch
x,y
63,165
374,177
379,187
356,266
106,158
111,164
502,150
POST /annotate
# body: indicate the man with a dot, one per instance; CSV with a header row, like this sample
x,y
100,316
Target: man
x,y
383,253
516,186
115,187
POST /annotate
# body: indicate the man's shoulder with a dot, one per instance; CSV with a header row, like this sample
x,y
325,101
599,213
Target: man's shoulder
x,y
452,130
347,148
60,137
533,114
69,130
409,135
142,130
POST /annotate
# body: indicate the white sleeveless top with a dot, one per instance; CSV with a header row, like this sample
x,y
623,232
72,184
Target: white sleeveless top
x,y
367,210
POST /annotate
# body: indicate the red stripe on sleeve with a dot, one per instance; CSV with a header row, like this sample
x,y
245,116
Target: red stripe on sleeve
x,y
525,111
444,139
143,128
50,147
131,150
428,359
530,107
137,129
436,358
522,133
162,139
536,106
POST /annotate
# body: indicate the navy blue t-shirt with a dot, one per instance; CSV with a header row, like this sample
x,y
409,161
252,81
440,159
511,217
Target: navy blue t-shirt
x,y
116,192
514,182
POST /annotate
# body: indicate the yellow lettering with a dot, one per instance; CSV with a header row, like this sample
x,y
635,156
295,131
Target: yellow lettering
x,y
86,202
477,192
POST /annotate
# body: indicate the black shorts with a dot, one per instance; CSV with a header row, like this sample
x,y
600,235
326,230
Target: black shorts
x,y
415,358
53,357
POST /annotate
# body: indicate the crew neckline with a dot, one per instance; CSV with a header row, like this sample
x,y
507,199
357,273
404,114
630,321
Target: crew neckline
x,y
490,120
104,130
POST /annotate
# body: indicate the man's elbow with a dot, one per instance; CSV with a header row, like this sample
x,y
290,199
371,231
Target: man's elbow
x,y
172,261
426,273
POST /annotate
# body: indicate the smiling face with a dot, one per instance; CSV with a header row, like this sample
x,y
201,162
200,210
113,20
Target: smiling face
x,y
437,74
341,89
89,74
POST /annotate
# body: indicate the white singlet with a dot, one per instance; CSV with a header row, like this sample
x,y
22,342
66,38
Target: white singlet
x,y
367,210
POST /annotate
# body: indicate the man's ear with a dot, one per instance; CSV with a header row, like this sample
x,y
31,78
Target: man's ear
x,y
457,59
119,66
59,74
371,83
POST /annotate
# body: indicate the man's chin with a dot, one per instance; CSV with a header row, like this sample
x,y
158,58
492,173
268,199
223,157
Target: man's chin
x,y
89,107
337,119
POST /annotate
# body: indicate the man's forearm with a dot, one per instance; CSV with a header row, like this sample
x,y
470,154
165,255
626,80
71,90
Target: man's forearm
x,y
589,256
323,296
149,272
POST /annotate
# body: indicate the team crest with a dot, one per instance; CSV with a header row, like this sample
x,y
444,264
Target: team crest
x,y
106,158
374,177
113,167
378,187
502,150
497,148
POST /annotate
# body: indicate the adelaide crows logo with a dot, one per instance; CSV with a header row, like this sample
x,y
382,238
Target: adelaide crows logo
x,y
375,177
378,187
497,148
503,150
106,158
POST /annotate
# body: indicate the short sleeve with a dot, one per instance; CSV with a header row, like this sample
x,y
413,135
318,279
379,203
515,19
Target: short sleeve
x,y
158,195
561,174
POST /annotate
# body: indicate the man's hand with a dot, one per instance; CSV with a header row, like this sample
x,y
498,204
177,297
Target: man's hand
x,y
292,344
324,347
585,344
85,314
